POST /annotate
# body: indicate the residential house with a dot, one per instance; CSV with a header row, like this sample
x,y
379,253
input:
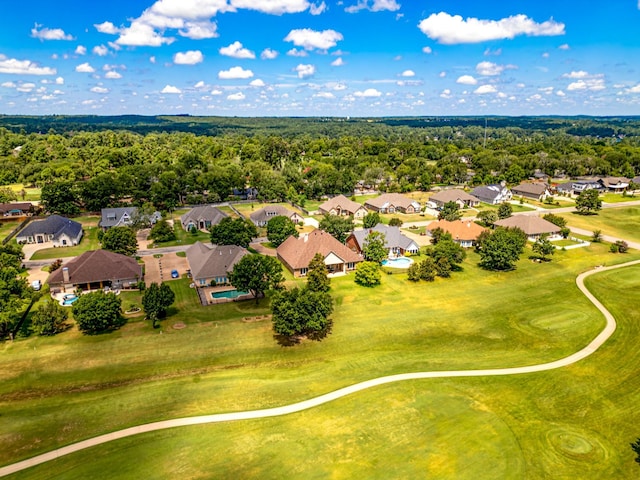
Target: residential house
x,y
393,203
492,194
297,253
248,193
124,217
463,232
532,225
585,183
456,195
61,231
210,265
18,209
533,190
97,269
614,184
202,217
261,217
636,180
396,242
342,206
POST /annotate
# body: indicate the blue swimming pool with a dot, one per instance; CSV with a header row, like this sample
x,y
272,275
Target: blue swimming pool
x,y
400,262
228,294
69,299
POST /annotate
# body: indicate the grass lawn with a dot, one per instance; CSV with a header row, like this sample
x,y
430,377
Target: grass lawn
x,y
617,198
557,424
247,209
32,193
183,237
622,222
558,202
88,242
517,207
7,226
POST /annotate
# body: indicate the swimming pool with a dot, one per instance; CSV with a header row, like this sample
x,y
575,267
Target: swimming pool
x,y
400,262
228,294
69,299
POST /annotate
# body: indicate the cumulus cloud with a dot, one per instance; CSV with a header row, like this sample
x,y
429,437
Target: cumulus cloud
x,y
81,50
49,33
578,74
305,71
466,80
312,39
369,92
489,69
26,87
268,54
592,84
452,29
636,88
235,73
338,62
236,96
373,6
560,93
170,89
564,46
99,90
324,95
112,74
317,9
408,73
294,52
85,68
427,50
236,50
482,89
23,67
257,83
191,57
446,93
106,27
100,50
8,85
142,35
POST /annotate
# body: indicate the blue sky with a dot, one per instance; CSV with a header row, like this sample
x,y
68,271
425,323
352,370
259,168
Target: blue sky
x,y
320,57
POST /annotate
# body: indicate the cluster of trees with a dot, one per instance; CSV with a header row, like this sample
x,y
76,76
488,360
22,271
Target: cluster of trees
x,y
98,312
15,294
444,256
500,249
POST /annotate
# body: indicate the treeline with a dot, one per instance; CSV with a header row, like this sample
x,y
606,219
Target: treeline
x,y
296,159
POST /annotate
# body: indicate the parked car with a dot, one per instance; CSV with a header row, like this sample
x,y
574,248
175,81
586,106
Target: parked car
x,y
174,274
36,285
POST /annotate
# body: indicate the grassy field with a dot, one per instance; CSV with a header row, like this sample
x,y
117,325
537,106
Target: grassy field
x,y
617,198
32,193
621,222
569,423
7,226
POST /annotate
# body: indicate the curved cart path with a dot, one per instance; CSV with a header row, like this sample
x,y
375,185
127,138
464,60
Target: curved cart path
x,y
596,343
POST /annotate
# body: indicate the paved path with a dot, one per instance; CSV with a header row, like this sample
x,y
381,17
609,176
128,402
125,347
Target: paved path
x,y
596,343
606,238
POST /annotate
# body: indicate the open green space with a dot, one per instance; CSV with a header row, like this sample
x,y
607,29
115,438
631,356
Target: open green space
x,y
7,226
618,197
88,242
31,194
620,222
515,207
54,391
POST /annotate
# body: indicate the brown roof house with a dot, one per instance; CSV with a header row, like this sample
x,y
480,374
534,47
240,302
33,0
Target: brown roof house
x,y
96,269
261,217
532,225
296,253
463,232
210,265
460,197
17,209
533,190
392,203
342,206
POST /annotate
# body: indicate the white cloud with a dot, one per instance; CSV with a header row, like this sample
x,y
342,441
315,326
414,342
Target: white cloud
x,y
564,46
81,50
482,89
324,95
338,62
100,50
100,90
446,93
152,59
170,89
408,73
106,27
236,96
466,80
578,74
142,35
23,67
8,85
369,92
442,74
235,73
199,30
374,6
496,52
26,87
190,57
427,50
317,9
492,69
305,71
85,68
449,30
49,33
236,50
257,83
112,74
216,92
592,84
560,93
200,84
636,88
268,54
547,90
273,7
311,39
294,52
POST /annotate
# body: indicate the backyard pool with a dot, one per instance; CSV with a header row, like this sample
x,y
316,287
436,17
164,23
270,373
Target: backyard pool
x,y
69,299
400,262
228,294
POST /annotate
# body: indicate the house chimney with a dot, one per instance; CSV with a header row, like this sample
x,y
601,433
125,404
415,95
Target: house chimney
x,y
65,274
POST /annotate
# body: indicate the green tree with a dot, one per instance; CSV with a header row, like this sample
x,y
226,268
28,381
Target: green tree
x,y
487,217
233,231
7,195
97,312
450,211
374,249
162,232
60,197
156,300
635,446
49,319
368,274
556,220
317,278
101,191
257,274
501,249
120,240
413,272
543,247
588,202
596,236
505,210
447,248
279,228
300,312
338,227
427,269
371,219
395,222
15,295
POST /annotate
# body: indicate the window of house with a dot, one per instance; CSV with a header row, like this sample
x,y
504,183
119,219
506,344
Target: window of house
x,y
203,281
303,271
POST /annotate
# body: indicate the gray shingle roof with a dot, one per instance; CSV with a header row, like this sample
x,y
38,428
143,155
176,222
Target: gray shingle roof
x,y
54,225
393,236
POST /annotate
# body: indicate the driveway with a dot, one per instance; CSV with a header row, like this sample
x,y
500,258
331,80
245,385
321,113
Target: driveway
x,y
158,270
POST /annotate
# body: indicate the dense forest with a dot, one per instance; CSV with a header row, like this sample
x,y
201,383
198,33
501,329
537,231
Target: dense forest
x,y
92,162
